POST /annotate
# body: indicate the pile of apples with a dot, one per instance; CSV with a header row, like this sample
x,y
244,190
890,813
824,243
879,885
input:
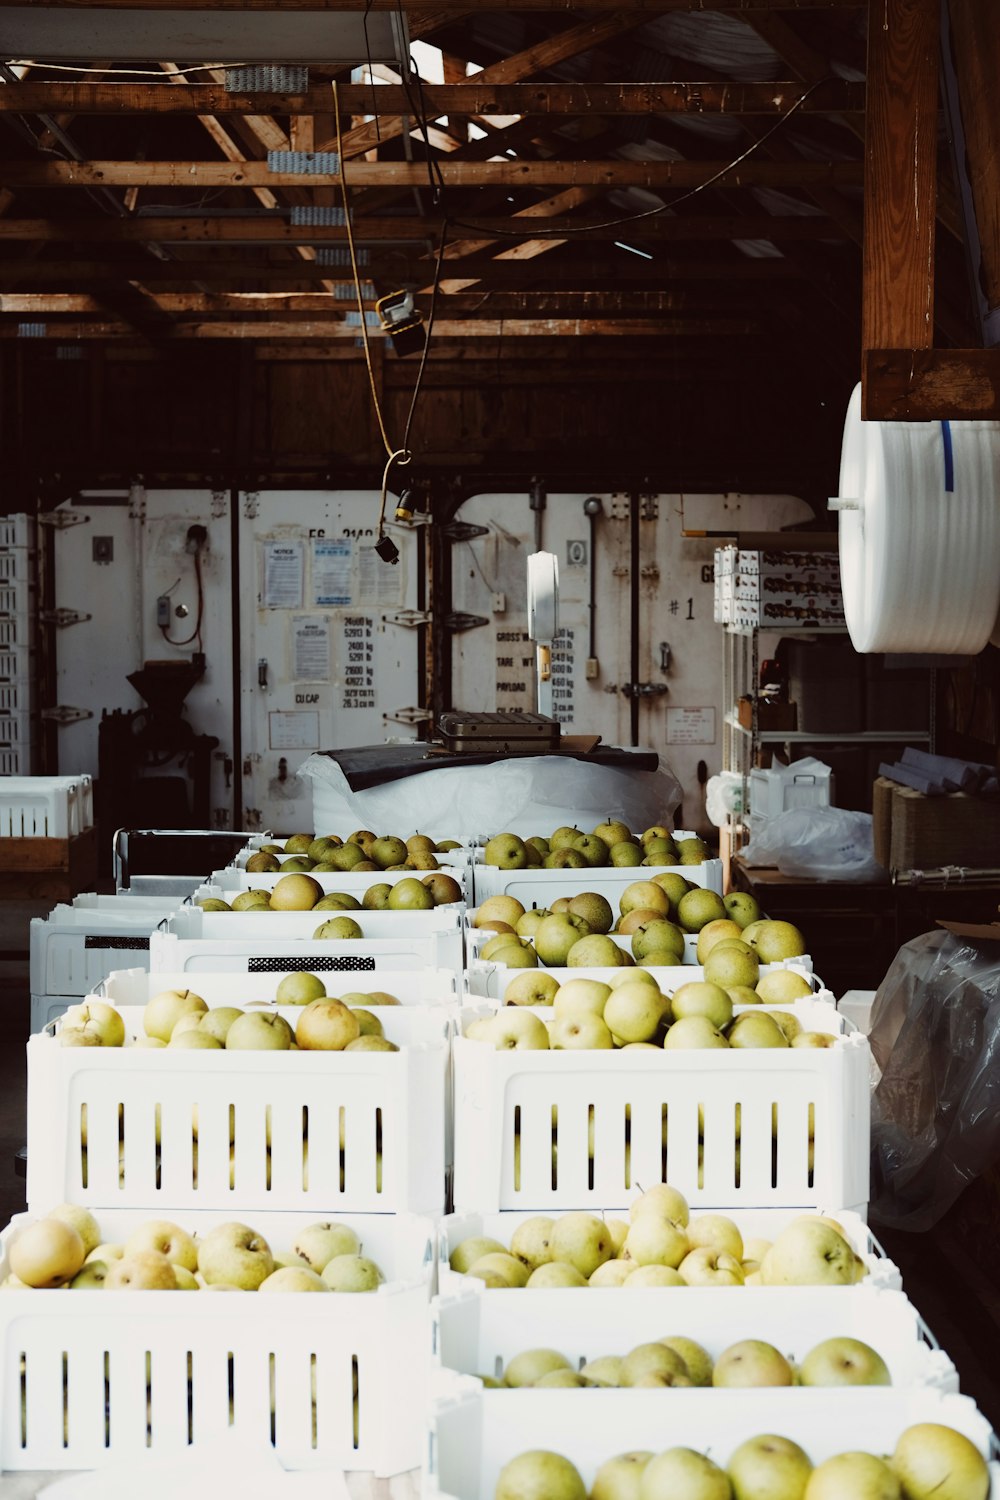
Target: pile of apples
x,y
66,1249
657,915
610,843
635,1013
183,1019
930,1462
676,1361
660,1245
362,851
300,892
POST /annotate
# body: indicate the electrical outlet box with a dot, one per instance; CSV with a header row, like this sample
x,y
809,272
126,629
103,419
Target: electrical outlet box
x,y
499,604
163,611
592,668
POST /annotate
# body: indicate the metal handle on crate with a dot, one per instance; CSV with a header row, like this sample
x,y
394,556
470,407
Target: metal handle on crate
x,y
925,1333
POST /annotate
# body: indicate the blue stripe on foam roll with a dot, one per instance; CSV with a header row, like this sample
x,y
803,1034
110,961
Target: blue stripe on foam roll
x,y
949,459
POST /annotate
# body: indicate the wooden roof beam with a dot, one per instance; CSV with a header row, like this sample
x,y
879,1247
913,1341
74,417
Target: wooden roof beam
x,y
447,11
444,328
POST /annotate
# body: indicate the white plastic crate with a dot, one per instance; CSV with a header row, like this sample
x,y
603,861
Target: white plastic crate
x,y
147,1127
15,697
229,882
15,732
486,978
17,600
16,665
76,945
474,1432
17,530
17,564
753,1223
538,887
16,627
410,986
395,939
98,1378
814,1012
475,1334
54,807
642,1110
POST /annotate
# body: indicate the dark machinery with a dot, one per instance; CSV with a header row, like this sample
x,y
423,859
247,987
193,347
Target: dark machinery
x,y
153,766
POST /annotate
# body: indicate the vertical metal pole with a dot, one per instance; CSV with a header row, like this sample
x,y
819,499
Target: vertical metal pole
x,y
234,621
633,671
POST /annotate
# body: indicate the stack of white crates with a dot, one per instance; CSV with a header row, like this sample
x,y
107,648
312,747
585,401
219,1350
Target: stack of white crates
x,y
18,596
777,589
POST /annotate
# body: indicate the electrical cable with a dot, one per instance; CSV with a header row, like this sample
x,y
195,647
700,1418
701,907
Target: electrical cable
x,y
371,74
196,633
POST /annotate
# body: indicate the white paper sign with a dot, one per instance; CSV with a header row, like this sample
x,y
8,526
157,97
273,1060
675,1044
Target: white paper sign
x,y
690,726
283,574
379,583
331,564
311,648
293,731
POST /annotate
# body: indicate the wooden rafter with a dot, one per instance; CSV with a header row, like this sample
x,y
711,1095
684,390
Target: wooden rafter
x,y
445,328
446,11
256,304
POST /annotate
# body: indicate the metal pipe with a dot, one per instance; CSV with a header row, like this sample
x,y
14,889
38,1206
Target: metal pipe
x,y
633,512
234,625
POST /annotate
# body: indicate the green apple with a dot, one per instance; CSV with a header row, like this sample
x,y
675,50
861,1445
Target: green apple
x,y
655,1241
513,954
564,859
261,1031
214,903
83,1222
742,994
579,1033
252,901
656,831
625,855
297,865
636,1012
352,1273
613,1272
371,1043
500,939
644,894
317,1244
716,1232
376,897
693,1031
607,1368
194,1040
564,837
501,1263
788,1024
751,1362
715,932
783,986
581,1240
619,1478
262,863
299,988
843,1361
528,925
410,895
660,852
46,1253
766,1467
683,1474
235,1254
579,997
102,1020
741,908
468,1251
698,998
107,1253
754,1028
539,1474
775,941
91,1277
595,910
142,1271
698,1360
338,901
298,843
658,936
934,1462
295,893
505,851
655,1276
338,929
675,887
164,1010
347,857
809,1252
592,847
555,937
814,1039
693,851
697,907
653,1359
531,1364
516,1029
217,1021
387,852
708,1267
855,1476
613,831
664,1201
533,987
732,965
554,1274
166,1239
498,908
531,1241
326,1026
293,1279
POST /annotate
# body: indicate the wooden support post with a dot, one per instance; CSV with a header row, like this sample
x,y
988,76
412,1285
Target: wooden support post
x,y
900,179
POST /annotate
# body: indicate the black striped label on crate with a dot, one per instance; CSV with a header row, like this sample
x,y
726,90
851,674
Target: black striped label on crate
x,y
307,965
137,944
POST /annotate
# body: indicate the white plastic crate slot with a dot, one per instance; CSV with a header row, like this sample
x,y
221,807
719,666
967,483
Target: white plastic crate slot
x,y
15,666
17,530
43,806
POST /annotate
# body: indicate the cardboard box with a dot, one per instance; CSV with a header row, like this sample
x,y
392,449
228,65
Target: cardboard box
x,y
770,715
926,833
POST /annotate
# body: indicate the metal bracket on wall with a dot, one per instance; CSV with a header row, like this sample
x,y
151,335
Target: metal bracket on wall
x,y
61,520
408,619
410,716
251,504
61,618
649,507
464,531
638,689
620,507
64,714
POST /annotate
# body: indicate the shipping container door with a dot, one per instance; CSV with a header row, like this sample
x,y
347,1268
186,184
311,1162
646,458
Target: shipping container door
x,y
329,642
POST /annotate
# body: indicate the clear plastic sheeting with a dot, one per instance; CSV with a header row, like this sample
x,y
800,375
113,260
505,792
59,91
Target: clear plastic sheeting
x,y
525,795
817,843
935,1033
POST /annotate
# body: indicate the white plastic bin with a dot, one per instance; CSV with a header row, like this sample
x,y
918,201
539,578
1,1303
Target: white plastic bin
x,y
87,1379
361,1132
816,1012
229,882
474,1333
131,987
489,979
753,1223
642,1110
398,939
474,1432
17,531
53,807
538,887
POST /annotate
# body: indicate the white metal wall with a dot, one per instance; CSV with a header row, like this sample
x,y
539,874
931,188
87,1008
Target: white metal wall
x,y
494,664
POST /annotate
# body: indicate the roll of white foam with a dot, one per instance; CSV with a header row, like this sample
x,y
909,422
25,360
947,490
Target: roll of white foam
x,y
919,533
